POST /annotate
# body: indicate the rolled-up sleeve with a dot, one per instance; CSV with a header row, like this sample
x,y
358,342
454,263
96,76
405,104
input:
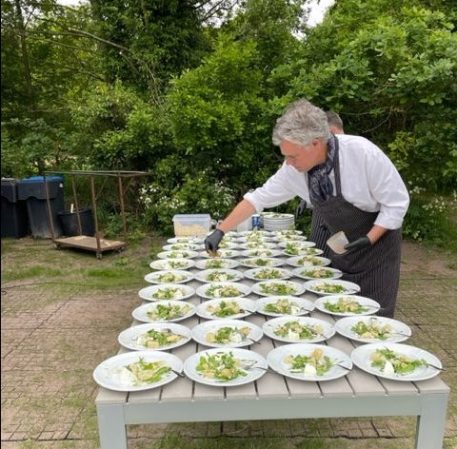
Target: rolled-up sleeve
x,y
389,190
275,191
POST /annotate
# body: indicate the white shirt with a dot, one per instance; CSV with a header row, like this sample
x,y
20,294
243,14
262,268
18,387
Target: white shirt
x,y
369,181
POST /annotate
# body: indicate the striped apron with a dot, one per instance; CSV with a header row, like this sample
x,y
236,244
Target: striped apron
x,y
376,269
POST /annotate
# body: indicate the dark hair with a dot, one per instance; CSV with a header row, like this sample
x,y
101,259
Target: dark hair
x,y
334,119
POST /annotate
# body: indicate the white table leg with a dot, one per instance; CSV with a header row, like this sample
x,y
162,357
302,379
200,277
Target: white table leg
x,y
431,422
111,427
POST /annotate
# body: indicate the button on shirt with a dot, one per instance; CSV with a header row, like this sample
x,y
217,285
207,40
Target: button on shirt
x,y
369,181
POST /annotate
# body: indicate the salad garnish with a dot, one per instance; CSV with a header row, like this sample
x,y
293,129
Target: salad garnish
x,y
222,366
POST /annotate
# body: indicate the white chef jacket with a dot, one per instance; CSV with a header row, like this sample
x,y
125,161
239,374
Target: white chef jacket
x,y
369,181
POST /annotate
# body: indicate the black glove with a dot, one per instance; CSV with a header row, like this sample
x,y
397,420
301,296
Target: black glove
x,y
362,242
300,209
213,240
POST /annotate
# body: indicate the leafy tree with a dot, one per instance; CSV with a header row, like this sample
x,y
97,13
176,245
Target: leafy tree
x,y
149,41
388,71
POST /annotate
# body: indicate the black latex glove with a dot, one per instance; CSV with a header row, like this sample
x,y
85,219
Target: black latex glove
x,y
300,209
362,242
213,240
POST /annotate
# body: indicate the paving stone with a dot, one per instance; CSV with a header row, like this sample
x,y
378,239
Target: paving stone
x,y
52,342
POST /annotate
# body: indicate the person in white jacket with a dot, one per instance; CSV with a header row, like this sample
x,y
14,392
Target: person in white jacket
x,y
352,186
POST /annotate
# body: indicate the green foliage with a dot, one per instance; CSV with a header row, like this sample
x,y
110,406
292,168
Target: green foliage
x,y
116,129
198,193
431,218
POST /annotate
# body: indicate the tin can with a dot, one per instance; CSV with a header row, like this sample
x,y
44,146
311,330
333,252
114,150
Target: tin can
x,y
256,221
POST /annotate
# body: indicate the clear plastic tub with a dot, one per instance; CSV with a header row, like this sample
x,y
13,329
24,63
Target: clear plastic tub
x,y
191,224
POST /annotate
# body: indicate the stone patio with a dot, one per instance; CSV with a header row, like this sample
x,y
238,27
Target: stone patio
x,y
52,339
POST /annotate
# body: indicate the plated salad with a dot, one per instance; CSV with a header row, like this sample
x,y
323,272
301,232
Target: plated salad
x,y
224,309
373,329
169,293
283,307
223,291
391,362
276,288
314,364
143,373
154,339
345,305
220,366
168,312
318,273
228,334
294,330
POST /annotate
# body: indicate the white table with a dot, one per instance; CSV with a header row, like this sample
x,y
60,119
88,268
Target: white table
x,y
274,396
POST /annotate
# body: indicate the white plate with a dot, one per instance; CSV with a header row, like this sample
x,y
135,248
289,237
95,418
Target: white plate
x,y
190,367
247,307
216,263
262,246
322,273
312,261
129,337
276,361
298,244
361,357
172,264
298,289
261,252
183,254
293,238
221,254
190,240
141,312
304,252
183,247
228,274
109,373
184,290
371,305
397,331
271,326
261,262
287,232
154,277
243,289
300,306
201,331
350,288
270,273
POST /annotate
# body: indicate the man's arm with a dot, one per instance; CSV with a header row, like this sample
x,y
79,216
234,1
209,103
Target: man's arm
x,y
242,211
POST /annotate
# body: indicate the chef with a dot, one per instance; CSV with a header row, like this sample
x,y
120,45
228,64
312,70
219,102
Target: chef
x,y
352,186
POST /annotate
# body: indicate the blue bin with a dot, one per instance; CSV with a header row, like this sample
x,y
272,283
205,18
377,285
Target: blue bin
x,y
33,191
14,212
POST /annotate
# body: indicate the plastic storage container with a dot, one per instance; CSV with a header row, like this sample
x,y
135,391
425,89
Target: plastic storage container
x,y
15,222
33,191
191,224
70,226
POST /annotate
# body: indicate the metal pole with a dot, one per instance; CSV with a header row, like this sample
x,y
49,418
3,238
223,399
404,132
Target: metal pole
x,y
48,201
75,199
121,200
94,208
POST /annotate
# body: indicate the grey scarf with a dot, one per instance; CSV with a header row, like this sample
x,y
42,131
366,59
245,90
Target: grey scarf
x,y
320,185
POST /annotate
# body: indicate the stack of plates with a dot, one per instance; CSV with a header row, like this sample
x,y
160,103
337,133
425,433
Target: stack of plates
x,y
278,222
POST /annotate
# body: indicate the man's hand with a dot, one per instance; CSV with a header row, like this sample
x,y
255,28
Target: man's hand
x,y
300,209
362,242
212,242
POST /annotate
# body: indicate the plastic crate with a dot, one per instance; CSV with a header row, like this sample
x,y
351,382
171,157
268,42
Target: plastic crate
x,y
191,224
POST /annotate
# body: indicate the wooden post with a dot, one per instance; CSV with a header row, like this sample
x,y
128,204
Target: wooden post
x,y
94,208
121,200
75,199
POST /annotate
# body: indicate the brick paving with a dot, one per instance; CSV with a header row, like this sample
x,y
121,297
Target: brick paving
x,y
52,342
